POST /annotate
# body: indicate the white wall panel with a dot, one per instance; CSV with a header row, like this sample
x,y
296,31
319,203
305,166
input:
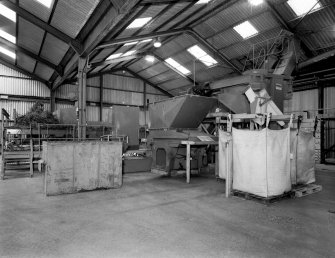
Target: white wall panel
x,y
303,101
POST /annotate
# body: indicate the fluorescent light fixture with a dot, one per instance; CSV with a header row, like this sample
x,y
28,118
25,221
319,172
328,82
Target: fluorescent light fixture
x,y
114,56
129,53
7,36
150,58
203,2
302,7
139,22
46,3
177,66
145,40
7,52
8,13
200,54
246,29
131,43
256,2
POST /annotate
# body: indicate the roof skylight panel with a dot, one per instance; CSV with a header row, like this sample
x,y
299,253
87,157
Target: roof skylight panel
x,y
302,7
113,56
7,36
7,52
8,13
200,54
177,66
46,3
246,30
139,22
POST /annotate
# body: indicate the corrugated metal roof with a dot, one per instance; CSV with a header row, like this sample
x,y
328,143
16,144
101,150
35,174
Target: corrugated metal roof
x,y
43,71
151,12
54,49
37,9
25,62
77,13
29,36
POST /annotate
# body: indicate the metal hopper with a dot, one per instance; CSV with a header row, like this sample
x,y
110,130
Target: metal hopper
x,y
187,111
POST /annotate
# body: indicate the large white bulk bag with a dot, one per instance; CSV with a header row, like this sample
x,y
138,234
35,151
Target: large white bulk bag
x,y
302,157
261,161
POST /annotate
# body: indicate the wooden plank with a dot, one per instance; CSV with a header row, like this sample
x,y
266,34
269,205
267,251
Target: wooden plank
x,y
79,166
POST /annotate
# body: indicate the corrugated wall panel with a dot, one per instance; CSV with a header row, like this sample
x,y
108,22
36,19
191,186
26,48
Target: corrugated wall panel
x,y
122,97
329,100
93,94
94,81
67,91
23,87
303,101
4,70
92,113
123,83
63,105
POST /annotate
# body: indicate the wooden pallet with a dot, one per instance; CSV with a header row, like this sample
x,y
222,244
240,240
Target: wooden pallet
x,y
263,200
304,190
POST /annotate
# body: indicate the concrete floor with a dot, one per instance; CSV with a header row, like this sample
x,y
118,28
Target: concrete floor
x,y
153,216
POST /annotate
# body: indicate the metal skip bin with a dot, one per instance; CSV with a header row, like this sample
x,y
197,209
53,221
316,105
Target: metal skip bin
x,y
78,166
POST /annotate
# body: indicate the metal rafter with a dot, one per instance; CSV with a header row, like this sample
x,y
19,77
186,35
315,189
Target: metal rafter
x,y
103,28
43,25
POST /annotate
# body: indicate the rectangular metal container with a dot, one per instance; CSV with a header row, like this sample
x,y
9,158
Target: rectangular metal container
x,y
78,166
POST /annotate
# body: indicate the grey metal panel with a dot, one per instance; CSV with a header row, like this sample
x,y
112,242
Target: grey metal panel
x,y
43,71
77,13
54,49
29,36
36,8
25,62
141,65
186,111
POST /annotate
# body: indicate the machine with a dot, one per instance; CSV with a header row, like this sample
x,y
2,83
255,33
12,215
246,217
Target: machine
x,y
173,121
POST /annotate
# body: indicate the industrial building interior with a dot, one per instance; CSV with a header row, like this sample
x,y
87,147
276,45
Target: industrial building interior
x,y
167,128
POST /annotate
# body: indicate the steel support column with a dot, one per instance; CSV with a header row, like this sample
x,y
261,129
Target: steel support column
x,y
101,95
82,98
